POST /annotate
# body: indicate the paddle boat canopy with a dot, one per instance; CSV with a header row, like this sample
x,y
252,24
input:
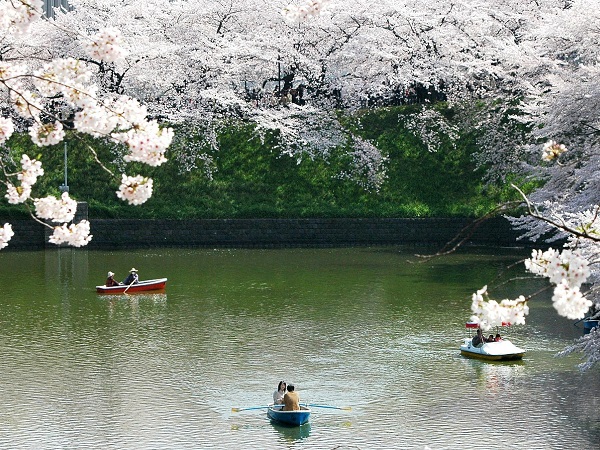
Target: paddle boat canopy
x,y
293,418
501,350
141,286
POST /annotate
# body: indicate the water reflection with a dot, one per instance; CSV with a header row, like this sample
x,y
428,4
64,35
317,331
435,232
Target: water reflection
x,y
133,301
137,297
495,376
291,433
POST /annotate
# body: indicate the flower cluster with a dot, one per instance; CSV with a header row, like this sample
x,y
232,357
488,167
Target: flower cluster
x,y
568,266
489,313
17,15
308,9
6,129
568,270
106,46
31,169
46,134
76,235
56,210
17,194
147,144
552,150
136,190
569,301
6,233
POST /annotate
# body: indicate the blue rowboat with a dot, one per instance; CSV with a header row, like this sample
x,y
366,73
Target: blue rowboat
x,y
294,418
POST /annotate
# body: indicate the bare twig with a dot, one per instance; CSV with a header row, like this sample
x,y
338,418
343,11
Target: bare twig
x,y
534,212
467,232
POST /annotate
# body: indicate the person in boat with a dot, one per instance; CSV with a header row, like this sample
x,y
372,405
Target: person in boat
x,y
498,338
279,393
291,399
491,338
478,339
110,280
132,278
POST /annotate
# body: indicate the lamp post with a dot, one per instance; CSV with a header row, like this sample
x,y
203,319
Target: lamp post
x,y
65,187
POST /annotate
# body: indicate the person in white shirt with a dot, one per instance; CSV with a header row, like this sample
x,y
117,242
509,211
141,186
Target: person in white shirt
x,y
279,393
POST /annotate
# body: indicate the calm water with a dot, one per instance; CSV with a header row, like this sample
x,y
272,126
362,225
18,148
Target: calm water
x,y
364,328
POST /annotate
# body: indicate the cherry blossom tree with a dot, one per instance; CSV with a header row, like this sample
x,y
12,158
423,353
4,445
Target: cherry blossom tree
x,y
519,73
41,91
561,109
207,61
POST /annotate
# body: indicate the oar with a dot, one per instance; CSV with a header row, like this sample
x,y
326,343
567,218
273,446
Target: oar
x,y
344,408
247,409
125,291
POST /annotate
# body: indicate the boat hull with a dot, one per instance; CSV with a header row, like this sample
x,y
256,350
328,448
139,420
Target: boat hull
x,y
492,351
142,286
293,418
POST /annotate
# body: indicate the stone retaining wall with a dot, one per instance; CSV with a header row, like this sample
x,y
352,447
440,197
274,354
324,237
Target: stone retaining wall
x,y
273,233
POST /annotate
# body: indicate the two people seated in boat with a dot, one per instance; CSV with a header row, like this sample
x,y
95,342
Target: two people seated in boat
x,y
132,278
110,280
290,399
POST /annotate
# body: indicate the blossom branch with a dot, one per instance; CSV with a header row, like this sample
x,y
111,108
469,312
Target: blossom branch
x,y
534,212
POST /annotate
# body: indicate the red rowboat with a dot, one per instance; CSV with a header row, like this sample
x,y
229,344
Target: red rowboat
x,y
142,286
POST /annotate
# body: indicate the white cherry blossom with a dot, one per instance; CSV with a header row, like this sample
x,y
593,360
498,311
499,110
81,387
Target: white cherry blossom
x,y
46,134
56,210
17,15
147,144
305,10
106,45
77,235
569,301
31,169
489,313
136,190
17,194
27,103
61,76
6,233
552,150
568,266
7,128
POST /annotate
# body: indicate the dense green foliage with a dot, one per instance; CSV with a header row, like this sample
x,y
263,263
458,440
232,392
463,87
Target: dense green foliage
x,y
251,178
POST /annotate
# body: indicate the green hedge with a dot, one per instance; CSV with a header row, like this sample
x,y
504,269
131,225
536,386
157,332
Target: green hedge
x,y
253,179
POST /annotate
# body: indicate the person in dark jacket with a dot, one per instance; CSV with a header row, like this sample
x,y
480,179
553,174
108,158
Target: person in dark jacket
x,y
132,278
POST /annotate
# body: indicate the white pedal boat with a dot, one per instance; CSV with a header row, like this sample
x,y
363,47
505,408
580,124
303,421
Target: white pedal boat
x,y
502,350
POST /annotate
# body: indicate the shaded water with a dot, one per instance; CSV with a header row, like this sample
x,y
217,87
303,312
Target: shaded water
x,y
363,328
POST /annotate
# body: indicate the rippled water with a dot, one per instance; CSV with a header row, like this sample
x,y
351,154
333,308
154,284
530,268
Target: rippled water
x,y
365,328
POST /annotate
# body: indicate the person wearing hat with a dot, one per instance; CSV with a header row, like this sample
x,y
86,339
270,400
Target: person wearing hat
x,y
110,281
132,278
